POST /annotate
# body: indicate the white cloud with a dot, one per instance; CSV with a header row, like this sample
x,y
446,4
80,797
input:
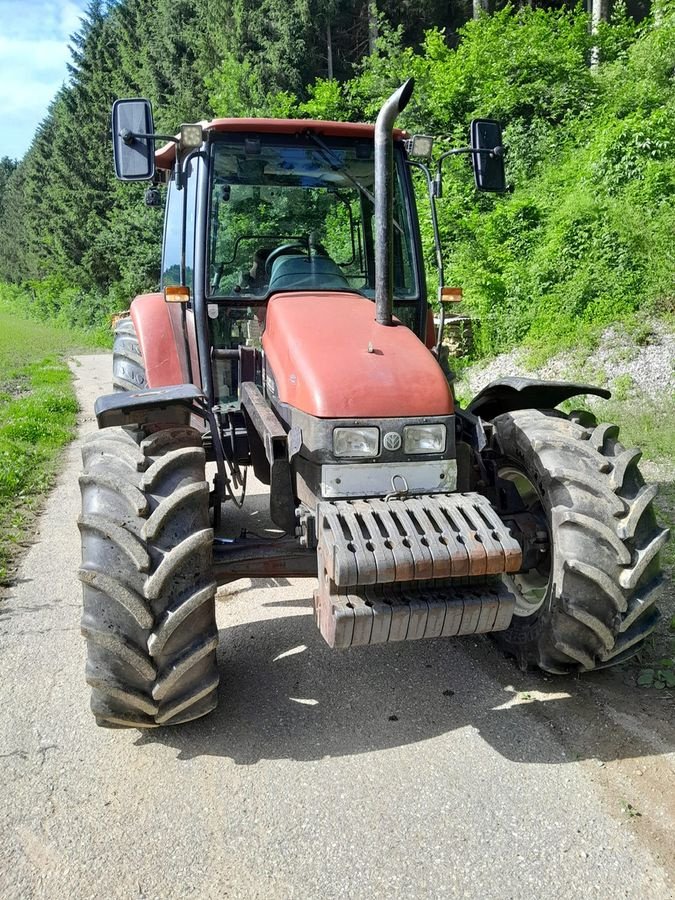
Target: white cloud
x,y
32,58
70,15
33,64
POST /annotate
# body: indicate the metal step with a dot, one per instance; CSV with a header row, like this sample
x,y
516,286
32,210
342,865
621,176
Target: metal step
x,y
349,617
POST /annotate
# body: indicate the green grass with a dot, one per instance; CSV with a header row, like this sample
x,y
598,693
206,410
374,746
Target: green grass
x,y
644,422
37,417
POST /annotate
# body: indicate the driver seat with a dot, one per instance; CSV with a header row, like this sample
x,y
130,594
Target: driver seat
x,y
299,272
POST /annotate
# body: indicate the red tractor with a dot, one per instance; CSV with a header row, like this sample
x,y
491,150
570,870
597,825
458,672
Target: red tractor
x,y
293,335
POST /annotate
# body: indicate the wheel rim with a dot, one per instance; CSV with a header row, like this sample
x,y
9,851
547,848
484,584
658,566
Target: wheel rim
x,y
531,587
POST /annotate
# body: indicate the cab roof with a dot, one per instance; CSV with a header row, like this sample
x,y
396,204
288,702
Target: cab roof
x,y
165,156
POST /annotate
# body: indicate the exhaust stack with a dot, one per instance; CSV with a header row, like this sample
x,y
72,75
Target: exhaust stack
x,y
384,200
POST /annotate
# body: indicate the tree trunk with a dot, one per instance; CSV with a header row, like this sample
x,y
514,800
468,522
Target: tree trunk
x,y
373,31
480,7
598,14
329,51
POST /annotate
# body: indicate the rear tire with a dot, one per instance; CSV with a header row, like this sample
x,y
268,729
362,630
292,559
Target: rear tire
x,y
149,613
604,575
128,365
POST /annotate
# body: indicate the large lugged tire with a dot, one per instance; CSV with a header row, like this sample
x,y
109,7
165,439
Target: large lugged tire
x,y
128,366
149,613
601,578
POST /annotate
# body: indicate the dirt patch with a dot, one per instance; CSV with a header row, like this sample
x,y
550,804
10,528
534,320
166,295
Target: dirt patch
x,y
14,388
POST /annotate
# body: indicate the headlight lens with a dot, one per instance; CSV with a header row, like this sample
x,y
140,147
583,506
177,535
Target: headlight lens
x,y
424,438
356,442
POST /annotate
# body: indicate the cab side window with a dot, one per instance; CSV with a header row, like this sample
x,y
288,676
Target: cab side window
x,y
180,205
173,228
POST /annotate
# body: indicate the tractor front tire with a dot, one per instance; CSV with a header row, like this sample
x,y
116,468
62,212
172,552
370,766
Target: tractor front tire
x,y
601,576
149,611
128,365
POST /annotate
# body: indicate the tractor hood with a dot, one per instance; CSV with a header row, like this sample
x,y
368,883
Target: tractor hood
x,y
327,357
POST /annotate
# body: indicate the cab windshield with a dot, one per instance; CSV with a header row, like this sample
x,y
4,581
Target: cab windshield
x,y
295,213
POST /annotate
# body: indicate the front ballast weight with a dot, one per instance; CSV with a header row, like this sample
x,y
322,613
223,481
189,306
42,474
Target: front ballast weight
x,y
404,569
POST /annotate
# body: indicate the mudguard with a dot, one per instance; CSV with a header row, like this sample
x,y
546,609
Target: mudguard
x,y
169,406
507,394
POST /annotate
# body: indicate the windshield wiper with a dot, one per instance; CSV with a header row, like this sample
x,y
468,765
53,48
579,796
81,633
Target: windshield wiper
x,y
338,165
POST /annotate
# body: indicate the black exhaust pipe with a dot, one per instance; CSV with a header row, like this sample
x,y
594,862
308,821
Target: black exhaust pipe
x,y
384,200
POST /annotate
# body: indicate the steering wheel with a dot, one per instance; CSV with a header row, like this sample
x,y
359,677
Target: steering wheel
x,y
284,250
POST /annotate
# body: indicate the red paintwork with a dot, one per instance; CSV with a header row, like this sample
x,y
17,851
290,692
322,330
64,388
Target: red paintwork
x,y
165,156
160,335
316,348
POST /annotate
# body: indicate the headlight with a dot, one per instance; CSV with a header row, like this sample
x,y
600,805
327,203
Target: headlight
x,y
356,441
424,439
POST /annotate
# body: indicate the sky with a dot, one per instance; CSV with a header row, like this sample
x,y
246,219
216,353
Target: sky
x,y
34,38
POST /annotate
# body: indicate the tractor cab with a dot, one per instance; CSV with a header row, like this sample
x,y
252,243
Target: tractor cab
x,y
289,207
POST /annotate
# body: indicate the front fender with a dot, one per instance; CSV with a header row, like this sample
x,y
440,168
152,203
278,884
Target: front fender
x,y
167,406
508,394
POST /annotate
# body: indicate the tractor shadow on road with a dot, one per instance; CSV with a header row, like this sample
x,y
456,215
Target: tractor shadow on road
x,y
285,694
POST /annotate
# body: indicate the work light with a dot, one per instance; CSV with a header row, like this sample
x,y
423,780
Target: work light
x,y
191,136
420,145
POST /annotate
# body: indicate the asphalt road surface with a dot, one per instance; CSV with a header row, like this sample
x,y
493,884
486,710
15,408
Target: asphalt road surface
x,y
430,769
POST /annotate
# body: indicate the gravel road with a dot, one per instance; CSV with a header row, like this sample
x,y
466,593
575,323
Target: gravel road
x,y
433,769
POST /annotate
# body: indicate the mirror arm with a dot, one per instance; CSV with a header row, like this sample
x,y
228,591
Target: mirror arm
x,y
130,136
495,151
437,187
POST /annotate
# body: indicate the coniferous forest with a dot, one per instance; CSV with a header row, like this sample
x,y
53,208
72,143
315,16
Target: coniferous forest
x,y
587,103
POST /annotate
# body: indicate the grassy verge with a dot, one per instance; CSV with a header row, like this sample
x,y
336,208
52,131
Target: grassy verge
x,y
37,416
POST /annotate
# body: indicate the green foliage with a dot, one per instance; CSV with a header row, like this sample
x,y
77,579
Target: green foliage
x,y
235,88
584,239
7,168
647,425
85,317
326,101
660,678
517,64
37,415
23,340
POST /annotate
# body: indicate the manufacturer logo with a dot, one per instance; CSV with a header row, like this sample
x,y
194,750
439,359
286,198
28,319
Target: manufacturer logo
x,y
392,440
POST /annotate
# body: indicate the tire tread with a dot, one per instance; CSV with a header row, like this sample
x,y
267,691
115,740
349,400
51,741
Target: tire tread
x,y
149,598
605,573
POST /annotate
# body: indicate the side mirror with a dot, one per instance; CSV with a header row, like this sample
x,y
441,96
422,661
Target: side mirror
x,y
133,140
487,155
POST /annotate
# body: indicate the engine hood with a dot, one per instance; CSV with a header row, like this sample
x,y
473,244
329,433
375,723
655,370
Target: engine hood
x,y
329,358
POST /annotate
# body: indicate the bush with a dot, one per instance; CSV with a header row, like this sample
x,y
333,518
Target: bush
x,y
586,236
584,239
